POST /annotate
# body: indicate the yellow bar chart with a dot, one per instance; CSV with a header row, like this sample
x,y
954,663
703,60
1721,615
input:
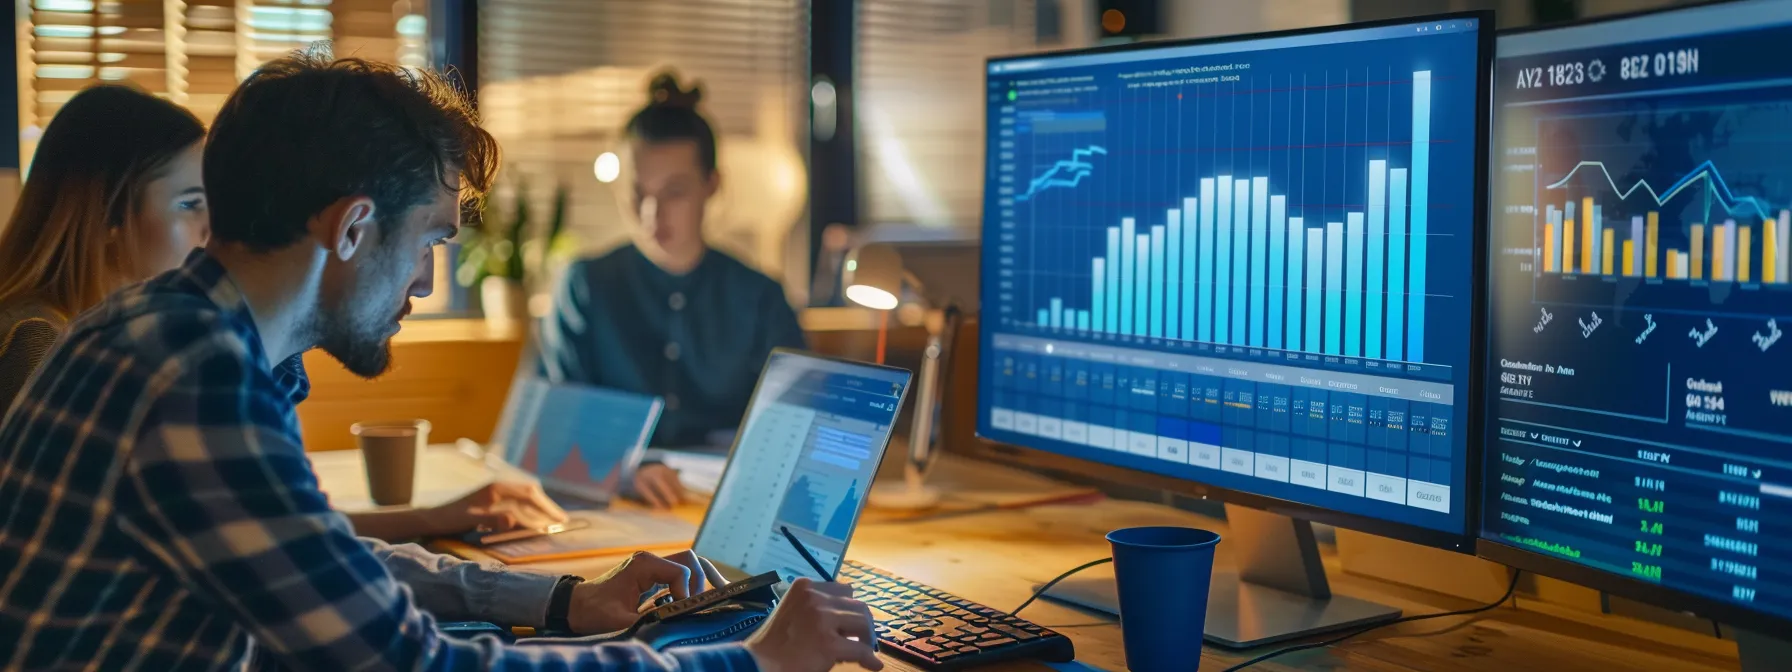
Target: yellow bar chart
x,y
1579,237
1652,234
1604,251
1549,248
1770,252
1586,231
1742,254
1698,252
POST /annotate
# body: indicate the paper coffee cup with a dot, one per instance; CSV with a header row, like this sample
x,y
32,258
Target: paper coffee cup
x,y
391,450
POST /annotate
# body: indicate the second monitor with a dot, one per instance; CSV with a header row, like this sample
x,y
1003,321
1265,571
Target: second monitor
x,y
1248,266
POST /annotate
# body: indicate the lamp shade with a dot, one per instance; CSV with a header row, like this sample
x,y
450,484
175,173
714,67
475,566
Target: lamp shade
x,y
873,276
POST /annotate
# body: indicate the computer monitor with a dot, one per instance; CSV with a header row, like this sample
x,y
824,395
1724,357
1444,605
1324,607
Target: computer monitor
x,y
1639,403
1247,266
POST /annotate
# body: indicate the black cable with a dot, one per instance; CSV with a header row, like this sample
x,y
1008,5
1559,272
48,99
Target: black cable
x,y
1048,585
1510,589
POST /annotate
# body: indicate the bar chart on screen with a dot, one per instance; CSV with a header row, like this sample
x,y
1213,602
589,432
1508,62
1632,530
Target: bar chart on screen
x,y
1292,215
1250,264
1653,221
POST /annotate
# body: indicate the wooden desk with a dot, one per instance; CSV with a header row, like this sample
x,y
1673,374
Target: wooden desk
x,y
995,558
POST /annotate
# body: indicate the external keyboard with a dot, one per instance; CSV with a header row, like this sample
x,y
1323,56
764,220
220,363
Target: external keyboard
x,y
940,631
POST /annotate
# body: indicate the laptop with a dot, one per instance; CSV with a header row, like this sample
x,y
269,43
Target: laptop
x,y
815,430
584,443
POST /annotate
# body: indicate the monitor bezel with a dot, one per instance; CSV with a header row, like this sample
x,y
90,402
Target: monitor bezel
x,y
1461,541
1572,572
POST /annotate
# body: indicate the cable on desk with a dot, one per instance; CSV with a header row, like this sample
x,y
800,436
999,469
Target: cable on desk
x,y
1048,585
1510,589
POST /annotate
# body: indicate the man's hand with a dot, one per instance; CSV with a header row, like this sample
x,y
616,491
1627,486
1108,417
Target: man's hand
x,y
499,506
613,601
657,484
809,631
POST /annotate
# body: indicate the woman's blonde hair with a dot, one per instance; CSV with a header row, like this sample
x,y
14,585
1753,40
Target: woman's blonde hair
x,y
66,244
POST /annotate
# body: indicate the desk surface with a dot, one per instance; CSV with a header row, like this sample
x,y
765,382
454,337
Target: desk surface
x,y
995,557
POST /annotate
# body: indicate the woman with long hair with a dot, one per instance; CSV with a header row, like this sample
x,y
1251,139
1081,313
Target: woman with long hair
x,y
113,196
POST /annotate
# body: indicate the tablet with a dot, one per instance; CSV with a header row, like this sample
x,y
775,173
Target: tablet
x,y
583,442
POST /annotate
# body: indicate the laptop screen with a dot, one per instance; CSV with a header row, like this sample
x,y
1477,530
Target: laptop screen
x,y
809,446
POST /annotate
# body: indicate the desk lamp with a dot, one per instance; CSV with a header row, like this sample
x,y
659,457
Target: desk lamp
x,y
874,276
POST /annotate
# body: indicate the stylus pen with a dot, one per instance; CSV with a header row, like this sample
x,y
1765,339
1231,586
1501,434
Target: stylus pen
x,y
804,551
816,565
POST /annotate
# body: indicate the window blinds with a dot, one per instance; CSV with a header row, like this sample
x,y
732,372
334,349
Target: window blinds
x,y
559,78
191,51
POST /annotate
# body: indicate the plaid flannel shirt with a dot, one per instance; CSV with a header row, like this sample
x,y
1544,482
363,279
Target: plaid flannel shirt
x,y
157,512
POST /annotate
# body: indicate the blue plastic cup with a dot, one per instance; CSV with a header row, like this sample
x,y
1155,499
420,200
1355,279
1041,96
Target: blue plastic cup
x,y
1163,574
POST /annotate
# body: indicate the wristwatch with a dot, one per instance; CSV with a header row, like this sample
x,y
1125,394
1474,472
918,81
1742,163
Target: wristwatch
x,y
560,602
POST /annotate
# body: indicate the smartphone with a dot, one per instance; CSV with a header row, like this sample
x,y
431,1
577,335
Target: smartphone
x,y
478,538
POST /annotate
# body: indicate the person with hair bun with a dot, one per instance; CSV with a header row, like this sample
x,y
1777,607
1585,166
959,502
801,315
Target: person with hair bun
x,y
667,314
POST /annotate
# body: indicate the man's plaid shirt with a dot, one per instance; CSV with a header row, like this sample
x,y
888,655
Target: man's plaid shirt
x,y
157,512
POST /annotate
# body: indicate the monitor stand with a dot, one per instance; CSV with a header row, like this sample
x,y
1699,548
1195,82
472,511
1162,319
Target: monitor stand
x,y
1280,591
1760,652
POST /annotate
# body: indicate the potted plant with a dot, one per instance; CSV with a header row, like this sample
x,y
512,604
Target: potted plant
x,y
501,257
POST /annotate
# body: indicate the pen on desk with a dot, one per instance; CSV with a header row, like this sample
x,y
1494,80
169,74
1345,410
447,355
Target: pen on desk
x,y
816,565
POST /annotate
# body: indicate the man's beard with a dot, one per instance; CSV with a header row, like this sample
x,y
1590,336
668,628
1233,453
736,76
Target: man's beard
x,y
363,349
359,341
364,354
